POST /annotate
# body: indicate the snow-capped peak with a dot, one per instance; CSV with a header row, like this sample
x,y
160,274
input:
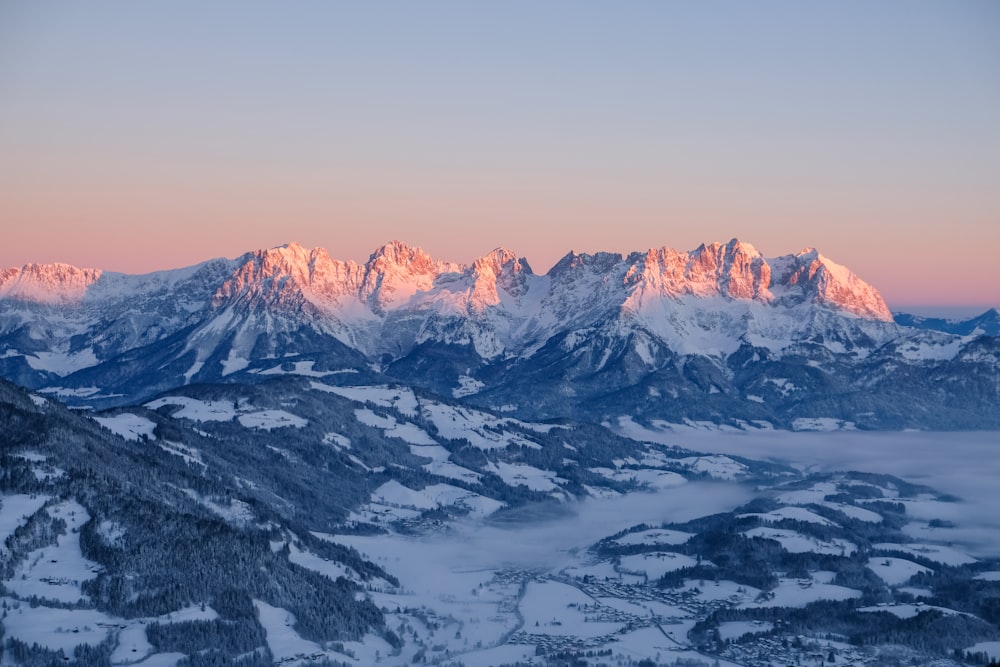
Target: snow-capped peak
x,y
829,283
47,283
396,271
501,269
501,259
733,269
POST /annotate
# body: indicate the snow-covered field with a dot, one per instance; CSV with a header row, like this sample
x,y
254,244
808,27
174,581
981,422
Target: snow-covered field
x,y
800,592
17,508
197,410
128,425
797,543
271,419
895,571
793,513
933,552
992,649
904,610
736,629
401,399
655,564
56,572
220,411
655,536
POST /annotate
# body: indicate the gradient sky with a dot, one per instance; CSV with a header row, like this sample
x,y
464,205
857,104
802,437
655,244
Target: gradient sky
x,y
137,136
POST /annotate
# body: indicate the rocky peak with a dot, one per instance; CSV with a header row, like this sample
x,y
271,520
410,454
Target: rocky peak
x,y
395,272
828,283
574,263
500,269
500,260
396,256
289,275
733,269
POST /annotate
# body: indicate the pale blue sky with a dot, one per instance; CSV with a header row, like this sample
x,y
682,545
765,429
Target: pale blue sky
x,y
142,135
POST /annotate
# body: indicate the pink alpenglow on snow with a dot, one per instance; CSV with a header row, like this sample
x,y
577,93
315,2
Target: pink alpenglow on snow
x,y
398,275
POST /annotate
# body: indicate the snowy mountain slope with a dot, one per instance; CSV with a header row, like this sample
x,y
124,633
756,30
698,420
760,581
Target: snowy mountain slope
x,y
154,529
596,329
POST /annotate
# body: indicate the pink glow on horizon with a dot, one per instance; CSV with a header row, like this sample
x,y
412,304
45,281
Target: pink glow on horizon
x,y
901,282
141,139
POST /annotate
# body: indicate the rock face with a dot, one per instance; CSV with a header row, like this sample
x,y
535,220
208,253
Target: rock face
x,y
829,283
602,322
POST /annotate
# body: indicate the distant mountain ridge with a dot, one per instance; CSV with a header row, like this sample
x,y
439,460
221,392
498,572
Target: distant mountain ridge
x,y
987,323
735,269
597,333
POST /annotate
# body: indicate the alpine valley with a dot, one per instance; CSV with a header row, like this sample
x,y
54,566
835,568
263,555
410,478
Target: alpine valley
x,y
286,458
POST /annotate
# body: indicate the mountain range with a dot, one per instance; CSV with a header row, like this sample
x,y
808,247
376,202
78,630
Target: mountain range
x,y
720,335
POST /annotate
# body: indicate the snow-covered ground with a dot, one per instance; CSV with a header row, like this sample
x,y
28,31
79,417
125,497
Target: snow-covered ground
x,y
655,564
56,572
895,571
797,543
392,501
736,629
442,465
405,431
522,474
128,425
792,513
854,512
64,629
991,649
271,419
718,467
554,608
223,411
16,509
800,592
905,610
304,368
401,399
655,536
286,645
56,628
933,552
197,410
480,429
654,479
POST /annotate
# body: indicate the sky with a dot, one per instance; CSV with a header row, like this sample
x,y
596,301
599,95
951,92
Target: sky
x,y
142,136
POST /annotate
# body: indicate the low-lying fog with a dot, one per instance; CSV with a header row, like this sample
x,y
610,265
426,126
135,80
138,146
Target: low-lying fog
x,y
966,465
453,562
963,464
547,541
